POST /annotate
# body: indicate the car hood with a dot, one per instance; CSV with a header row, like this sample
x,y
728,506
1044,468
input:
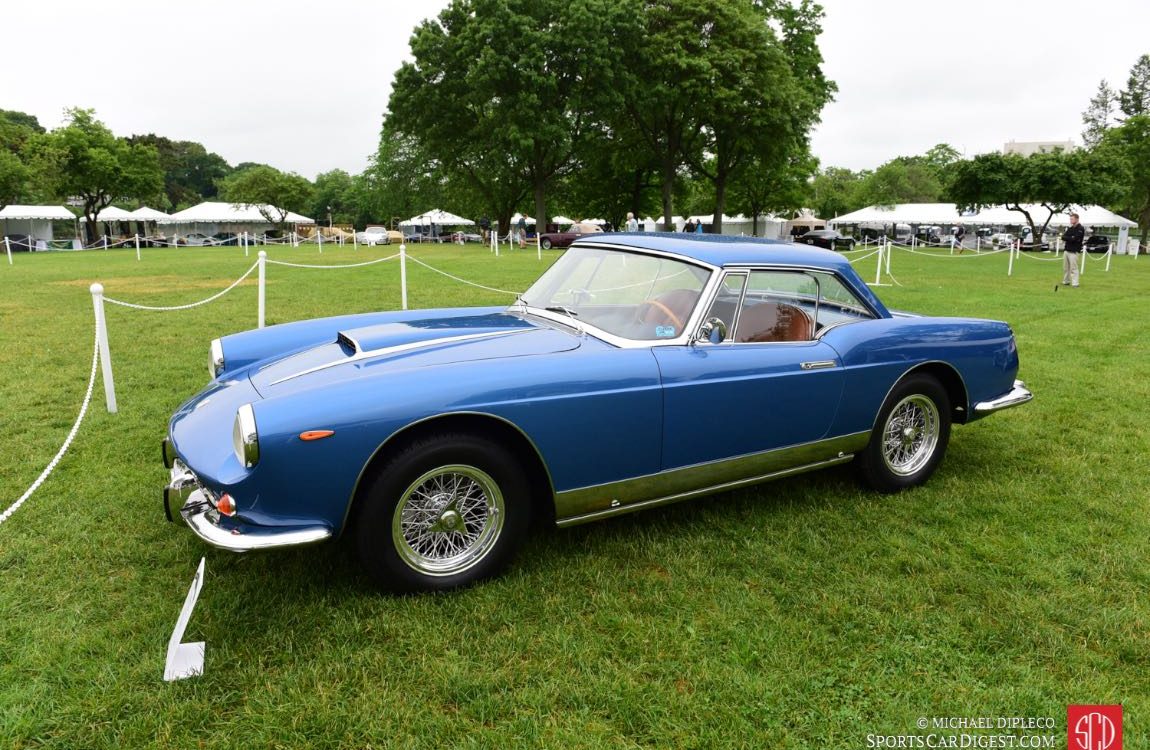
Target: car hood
x,y
378,349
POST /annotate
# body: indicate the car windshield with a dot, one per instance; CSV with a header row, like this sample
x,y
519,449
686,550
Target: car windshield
x,y
630,295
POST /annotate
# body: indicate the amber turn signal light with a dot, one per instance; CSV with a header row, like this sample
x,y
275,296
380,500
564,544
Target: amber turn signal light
x,y
226,505
316,434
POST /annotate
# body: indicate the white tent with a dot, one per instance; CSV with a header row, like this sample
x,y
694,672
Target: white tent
x,y
529,219
213,217
212,212
143,213
438,217
112,213
561,220
946,214
34,221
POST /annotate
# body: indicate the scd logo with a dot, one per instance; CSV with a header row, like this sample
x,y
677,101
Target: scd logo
x,y
1094,727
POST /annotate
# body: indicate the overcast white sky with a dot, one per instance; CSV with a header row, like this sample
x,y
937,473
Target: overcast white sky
x,y
302,85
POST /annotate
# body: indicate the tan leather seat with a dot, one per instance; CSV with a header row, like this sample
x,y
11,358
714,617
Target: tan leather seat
x,y
673,306
773,321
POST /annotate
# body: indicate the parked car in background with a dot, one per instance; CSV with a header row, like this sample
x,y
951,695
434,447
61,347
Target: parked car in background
x,y
548,240
1097,243
225,238
1002,239
374,235
196,239
638,370
828,239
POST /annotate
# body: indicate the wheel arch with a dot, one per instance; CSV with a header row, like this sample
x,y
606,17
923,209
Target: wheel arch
x,y
480,424
950,380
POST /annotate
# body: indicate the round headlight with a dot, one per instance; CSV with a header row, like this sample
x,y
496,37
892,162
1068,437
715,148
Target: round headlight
x,y
215,358
245,437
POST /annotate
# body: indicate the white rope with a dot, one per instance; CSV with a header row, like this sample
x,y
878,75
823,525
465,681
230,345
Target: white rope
x,y
348,265
1032,257
67,441
462,281
987,254
863,257
1101,256
190,305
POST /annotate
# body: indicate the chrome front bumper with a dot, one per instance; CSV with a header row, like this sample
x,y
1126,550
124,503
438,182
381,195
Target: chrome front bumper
x,y
1019,394
185,497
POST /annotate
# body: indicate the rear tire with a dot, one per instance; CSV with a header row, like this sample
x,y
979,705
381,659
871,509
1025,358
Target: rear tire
x,y
444,512
909,437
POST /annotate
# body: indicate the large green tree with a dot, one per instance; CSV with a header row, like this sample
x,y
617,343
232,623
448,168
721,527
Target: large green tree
x,y
272,192
1099,115
501,92
1129,144
1134,99
1055,181
191,172
764,92
84,160
769,187
13,178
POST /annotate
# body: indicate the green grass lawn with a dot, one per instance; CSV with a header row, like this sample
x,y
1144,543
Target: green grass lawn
x,y
803,613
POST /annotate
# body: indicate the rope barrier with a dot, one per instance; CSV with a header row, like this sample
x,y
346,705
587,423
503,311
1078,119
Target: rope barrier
x,y
188,306
987,254
1031,256
462,281
67,441
864,257
348,265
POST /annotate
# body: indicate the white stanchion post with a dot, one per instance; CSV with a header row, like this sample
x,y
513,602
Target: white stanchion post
x,y
1082,261
137,247
354,240
244,239
977,244
497,243
538,247
1109,254
952,244
105,239
886,249
319,235
878,268
263,262
1010,265
403,275
8,247
97,291
294,239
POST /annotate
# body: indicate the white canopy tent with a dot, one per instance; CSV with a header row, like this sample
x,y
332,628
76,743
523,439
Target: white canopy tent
x,y
947,214
213,217
111,213
143,213
34,221
439,218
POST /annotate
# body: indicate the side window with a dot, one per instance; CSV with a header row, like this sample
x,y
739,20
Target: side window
x,y
778,306
727,300
838,304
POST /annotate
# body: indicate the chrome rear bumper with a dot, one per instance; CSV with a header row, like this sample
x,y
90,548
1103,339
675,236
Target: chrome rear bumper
x,y
186,498
1019,394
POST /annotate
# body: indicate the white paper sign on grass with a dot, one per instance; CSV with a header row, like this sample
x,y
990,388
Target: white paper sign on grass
x,y
186,659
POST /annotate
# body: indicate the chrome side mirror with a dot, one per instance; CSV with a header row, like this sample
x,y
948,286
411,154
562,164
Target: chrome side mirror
x,y
713,331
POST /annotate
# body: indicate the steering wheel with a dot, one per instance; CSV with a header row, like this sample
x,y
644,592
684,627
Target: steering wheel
x,y
668,315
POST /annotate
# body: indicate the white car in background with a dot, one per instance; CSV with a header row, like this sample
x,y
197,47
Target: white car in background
x,y
1001,239
373,235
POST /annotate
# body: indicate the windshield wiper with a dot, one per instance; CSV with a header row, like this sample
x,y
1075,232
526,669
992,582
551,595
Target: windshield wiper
x,y
562,309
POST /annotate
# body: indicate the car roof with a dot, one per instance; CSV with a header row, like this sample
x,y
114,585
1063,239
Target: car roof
x,y
722,250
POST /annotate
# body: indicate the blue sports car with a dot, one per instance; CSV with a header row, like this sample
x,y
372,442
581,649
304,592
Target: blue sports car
x,y
639,370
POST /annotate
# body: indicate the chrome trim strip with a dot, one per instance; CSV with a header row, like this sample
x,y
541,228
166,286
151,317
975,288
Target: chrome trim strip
x,y
215,358
360,356
1018,395
821,364
600,501
201,517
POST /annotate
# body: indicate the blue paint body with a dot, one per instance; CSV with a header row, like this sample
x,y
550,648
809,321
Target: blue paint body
x,y
595,412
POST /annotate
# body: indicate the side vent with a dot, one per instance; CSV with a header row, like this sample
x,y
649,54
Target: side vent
x,y
347,343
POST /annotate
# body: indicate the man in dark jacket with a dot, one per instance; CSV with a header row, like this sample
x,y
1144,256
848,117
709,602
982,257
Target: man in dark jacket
x,y
1073,237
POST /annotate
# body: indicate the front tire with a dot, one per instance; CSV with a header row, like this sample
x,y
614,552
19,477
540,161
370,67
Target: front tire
x,y
546,243
909,437
444,512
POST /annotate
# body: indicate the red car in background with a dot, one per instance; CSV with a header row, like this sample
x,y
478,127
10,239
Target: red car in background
x,y
549,240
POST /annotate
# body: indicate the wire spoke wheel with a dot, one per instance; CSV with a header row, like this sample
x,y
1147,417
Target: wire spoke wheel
x,y
447,520
910,435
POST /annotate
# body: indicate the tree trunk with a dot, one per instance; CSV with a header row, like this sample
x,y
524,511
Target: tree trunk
x,y
720,204
540,206
668,186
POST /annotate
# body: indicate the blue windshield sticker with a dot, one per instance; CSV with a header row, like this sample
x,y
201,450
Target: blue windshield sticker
x,y
665,332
